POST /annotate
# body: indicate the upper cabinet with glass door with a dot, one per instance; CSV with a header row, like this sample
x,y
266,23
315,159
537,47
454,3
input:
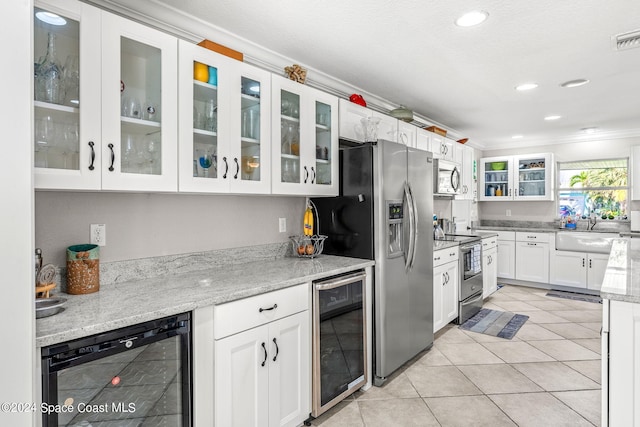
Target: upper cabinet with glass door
x,y
224,124
66,96
105,101
527,177
304,140
139,107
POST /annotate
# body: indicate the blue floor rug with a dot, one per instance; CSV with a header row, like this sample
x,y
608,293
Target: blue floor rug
x,y
496,323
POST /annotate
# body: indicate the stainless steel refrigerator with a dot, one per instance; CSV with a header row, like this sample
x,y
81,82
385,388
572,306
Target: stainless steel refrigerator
x,y
384,212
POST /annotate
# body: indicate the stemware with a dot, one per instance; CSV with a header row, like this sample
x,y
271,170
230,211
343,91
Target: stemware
x,y
128,152
286,140
211,115
153,151
71,81
206,161
70,145
44,137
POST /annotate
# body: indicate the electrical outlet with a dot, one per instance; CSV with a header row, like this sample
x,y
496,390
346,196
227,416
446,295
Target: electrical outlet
x,y
282,225
508,212
99,234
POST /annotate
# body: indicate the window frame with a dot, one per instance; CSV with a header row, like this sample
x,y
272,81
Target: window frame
x,y
559,189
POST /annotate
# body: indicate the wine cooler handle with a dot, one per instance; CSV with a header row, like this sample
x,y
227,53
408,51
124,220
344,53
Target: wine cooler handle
x,y
93,155
235,159
113,157
277,350
226,167
265,354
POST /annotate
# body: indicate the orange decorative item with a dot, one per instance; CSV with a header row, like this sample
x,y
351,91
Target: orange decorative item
x,y
436,129
463,140
200,72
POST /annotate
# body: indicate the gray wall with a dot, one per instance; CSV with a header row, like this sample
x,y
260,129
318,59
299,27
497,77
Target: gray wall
x,y
546,211
147,225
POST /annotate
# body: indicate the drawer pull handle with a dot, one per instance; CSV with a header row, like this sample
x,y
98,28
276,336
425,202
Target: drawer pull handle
x,y
265,354
437,259
268,309
277,350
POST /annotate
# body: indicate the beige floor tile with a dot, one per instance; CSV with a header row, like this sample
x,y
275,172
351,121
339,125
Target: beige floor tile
x,y
464,411
346,413
589,368
397,412
577,316
451,334
527,296
495,379
537,410
491,306
585,402
565,350
433,357
596,326
555,376
571,330
593,344
436,381
582,305
479,337
532,332
397,387
517,352
541,316
548,305
468,354
503,297
515,306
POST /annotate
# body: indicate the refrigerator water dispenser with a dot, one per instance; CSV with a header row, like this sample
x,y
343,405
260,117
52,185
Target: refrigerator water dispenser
x,y
395,233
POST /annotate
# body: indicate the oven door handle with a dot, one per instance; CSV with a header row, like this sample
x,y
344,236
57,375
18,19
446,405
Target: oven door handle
x,y
344,280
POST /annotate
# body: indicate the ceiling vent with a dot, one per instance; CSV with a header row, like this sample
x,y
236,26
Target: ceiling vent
x,y
627,40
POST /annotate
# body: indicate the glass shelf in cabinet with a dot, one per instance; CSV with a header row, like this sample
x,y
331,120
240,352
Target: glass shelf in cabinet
x,y
323,161
249,101
289,156
323,128
139,122
204,132
290,119
205,85
137,126
249,142
55,107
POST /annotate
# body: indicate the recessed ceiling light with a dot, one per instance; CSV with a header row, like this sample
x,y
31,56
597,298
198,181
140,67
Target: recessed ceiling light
x,y
50,18
526,86
575,83
589,130
516,137
470,19
549,118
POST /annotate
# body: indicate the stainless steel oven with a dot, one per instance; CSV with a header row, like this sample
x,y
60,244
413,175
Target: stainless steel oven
x,y
339,339
138,375
470,291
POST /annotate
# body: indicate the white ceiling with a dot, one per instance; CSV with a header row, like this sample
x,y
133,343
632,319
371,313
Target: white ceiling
x,y
410,52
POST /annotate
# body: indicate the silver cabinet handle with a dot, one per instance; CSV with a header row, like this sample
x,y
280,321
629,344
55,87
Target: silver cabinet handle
x,y
273,307
590,263
532,244
583,262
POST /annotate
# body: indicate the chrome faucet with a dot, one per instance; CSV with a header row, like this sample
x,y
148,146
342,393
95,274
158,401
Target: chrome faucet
x,y
592,221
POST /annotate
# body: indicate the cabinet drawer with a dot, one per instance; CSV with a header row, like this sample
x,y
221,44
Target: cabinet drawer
x,y
506,235
240,315
533,237
489,242
444,256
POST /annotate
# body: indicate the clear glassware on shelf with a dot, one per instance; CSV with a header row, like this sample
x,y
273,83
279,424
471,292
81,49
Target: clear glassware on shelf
x,y
44,139
153,155
206,161
49,87
70,146
71,81
210,115
286,141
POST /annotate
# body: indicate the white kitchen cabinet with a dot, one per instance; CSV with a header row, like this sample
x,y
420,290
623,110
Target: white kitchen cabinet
x,y
442,147
119,131
423,140
634,167
445,287
407,134
225,137
388,127
305,140
528,177
466,157
262,374
577,269
350,116
506,257
620,385
489,266
532,257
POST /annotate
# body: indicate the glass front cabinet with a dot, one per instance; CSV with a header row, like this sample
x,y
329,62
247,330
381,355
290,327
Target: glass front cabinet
x,y
527,177
304,149
105,94
224,124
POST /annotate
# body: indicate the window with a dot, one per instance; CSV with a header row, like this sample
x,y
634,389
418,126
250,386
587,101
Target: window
x,y
593,186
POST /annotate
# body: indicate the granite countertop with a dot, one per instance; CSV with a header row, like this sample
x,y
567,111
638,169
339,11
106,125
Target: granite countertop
x,y
127,303
525,229
622,277
443,244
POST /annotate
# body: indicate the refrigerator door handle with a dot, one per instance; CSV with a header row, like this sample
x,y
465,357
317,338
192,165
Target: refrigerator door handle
x,y
414,208
411,208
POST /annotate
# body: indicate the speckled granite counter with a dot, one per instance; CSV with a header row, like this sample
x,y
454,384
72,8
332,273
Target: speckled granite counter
x,y
127,303
622,277
443,244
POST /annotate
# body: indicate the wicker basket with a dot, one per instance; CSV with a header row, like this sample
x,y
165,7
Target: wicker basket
x,y
307,246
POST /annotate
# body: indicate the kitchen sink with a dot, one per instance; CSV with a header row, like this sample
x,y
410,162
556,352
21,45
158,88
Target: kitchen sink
x,y
578,241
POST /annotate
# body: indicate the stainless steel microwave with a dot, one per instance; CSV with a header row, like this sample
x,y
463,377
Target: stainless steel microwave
x,y
446,178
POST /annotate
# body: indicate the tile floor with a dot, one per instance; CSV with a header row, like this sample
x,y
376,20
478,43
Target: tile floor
x,y
547,375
